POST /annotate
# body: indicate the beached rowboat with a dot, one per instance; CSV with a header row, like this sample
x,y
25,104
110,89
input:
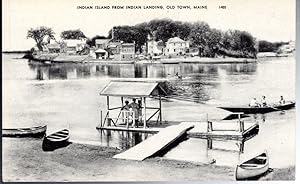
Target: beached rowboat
x,y
261,110
253,168
37,132
56,140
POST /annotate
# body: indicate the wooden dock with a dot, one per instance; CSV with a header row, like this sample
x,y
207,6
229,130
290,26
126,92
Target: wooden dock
x,y
156,143
221,130
130,129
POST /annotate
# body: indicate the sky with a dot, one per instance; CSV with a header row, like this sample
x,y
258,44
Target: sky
x,y
272,20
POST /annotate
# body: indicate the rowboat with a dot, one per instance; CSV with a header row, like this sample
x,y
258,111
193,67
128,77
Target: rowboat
x,y
37,132
253,168
56,140
261,110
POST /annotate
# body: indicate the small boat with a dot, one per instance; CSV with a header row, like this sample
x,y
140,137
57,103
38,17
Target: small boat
x,y
261,110
37,132
253,168
56,140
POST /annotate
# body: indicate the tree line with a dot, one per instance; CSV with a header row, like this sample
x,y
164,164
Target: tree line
x,y
210,42
266,46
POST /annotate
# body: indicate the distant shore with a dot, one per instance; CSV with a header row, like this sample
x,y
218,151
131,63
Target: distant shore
x,y
59,58
63,58
16,52
24,160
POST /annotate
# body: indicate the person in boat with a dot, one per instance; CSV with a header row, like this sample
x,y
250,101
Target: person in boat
x,y
281,101
135,108
263,101
254,103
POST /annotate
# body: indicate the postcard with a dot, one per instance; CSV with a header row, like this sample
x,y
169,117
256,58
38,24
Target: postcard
x,y
110,90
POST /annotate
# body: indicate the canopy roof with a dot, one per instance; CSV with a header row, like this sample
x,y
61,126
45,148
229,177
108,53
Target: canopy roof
x,y
133,89
100,51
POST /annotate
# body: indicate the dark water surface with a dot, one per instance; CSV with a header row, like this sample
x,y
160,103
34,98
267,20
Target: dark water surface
x,y
67,95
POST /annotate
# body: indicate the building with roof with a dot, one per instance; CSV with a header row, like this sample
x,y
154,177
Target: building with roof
x,y
287,48
101,54
114,47
102,43
176,46
54,48
129,90
73,45
127,51
155,48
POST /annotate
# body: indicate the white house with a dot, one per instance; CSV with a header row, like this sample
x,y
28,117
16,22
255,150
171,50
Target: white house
x,y
287,48
73,45
176,46
155,47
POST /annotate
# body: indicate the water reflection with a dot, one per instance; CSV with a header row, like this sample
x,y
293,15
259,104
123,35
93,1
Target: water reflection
x,y
121,139
199,82
79,71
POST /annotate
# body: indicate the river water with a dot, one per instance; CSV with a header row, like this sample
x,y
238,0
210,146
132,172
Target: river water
x,y
67,96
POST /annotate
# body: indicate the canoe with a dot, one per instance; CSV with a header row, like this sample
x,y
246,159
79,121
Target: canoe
x,y
56,140
37,132
253,168
261,110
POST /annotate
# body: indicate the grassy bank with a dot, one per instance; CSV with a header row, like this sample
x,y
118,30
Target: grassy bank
x,y
24,160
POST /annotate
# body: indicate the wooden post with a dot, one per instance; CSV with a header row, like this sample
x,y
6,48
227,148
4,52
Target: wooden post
x,y
241,147
122,105
160,113
145,118
101,118
209,143
107,101
209,126
242,126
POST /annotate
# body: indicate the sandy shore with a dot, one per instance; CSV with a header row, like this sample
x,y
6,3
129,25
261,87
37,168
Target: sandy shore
x,y
24,160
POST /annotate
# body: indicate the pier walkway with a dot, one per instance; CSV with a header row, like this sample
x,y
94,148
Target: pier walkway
x,y
155,143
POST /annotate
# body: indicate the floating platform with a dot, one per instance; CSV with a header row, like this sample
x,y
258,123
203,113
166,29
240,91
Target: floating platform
x,y
156,143
223,130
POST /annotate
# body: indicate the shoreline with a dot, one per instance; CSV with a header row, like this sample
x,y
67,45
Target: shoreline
x,y
24,160
79,59
48,59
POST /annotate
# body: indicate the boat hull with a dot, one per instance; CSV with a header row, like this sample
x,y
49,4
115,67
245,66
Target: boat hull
x,y
50,144
35,132
245,171
260,110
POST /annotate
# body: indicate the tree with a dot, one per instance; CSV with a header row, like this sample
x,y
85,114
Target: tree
x,y
72,34
39,35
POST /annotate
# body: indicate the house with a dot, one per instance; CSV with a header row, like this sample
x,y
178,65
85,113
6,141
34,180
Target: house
x,y
176,46
127,51
53,47
101,54
73,45
287,48
102,43
155,48
114,47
